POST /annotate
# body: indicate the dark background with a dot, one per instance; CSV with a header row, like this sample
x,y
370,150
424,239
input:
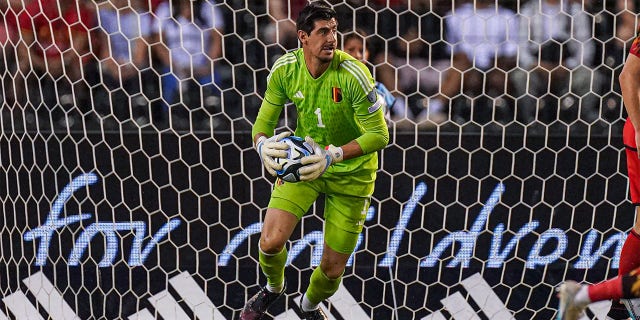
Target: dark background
x,y
214,185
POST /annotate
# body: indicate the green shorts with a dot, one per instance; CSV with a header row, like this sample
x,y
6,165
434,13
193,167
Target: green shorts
x,y
347,201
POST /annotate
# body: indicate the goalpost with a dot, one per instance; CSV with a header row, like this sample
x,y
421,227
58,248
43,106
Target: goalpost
x,y
131,188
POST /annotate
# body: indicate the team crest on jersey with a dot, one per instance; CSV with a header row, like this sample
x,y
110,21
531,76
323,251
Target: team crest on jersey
x,y
336,93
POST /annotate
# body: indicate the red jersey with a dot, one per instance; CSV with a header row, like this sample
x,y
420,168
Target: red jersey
x,y
629,141
628,135
635,47
52,29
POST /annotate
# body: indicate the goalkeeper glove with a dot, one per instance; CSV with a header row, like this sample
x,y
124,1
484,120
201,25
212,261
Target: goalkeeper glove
x,y
269,148
315,165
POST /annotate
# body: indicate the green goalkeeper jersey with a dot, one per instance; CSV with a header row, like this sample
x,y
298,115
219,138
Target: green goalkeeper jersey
x,y
339,106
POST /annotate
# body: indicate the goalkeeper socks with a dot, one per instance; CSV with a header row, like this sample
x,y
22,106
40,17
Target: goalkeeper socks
x,y
272,266
629,257
307,305
321,287
275,289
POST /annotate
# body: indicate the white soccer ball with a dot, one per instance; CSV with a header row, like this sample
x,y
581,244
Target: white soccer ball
x,y
298,148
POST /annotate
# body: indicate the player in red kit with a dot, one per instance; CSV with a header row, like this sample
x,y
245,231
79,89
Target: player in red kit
x,y
575,297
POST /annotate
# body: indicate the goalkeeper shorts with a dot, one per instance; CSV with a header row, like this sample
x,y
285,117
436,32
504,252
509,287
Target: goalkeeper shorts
x,y
344,212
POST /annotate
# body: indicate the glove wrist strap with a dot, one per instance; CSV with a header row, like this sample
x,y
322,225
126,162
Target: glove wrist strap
x,y
260,140
336,153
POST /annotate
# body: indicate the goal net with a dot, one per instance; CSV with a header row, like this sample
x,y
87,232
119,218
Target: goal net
x,y
131,189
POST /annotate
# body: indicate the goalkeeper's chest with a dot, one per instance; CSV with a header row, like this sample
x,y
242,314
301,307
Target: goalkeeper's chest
x,y
324,95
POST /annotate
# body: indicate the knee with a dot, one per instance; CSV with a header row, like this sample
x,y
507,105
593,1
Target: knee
x,y
270,245
332,269
333,273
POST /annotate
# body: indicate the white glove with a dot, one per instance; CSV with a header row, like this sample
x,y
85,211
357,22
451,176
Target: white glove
x,y
269,148
316,164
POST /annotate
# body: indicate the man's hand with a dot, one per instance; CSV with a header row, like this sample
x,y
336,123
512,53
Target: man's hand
x,y
315,165
270,148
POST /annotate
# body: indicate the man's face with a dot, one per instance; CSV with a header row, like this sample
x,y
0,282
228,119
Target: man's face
x,y
321,43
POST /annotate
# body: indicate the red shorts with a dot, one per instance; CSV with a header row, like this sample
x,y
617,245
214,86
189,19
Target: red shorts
x,y
633,163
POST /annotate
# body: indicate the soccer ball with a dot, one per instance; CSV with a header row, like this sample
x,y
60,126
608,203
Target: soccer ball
x,y
298,148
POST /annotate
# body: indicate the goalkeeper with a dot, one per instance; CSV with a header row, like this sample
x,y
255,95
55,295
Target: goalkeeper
x,y
341,116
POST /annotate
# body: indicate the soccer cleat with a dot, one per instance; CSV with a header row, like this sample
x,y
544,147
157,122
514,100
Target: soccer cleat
x,y
316,314
257,306
568,309
618,311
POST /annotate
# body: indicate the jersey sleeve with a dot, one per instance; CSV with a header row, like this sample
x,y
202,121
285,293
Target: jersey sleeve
x,y
368,106
273,102
635,47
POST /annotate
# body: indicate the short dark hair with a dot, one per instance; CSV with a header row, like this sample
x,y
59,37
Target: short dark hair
x,y
314,11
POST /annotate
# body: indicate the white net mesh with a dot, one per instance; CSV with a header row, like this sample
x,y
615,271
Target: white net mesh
x,y
132,190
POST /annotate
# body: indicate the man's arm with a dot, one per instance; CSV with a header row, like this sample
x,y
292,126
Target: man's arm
x,y
630,86
351,150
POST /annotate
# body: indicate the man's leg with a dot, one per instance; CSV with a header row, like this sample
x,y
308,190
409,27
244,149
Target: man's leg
x,y
326,278
276,229
325,281
575,297
629,257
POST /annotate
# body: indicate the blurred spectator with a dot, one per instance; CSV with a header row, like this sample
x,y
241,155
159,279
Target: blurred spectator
x,y
124,56
483,40
557,51
615,27
282,26
151,5
52,51
191,36
354,44
8,39
414,62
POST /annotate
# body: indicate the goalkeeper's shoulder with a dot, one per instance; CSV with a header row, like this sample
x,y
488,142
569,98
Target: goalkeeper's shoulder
x,y
286,60
283,67
353,67
358,78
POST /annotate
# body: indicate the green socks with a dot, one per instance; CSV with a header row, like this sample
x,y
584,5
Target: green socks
x,y
321,287
273,267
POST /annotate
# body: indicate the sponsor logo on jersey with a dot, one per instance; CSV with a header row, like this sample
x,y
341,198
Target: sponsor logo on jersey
x,y
336,93
298,95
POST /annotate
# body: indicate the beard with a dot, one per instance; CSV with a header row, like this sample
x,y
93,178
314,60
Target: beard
x,y
326,58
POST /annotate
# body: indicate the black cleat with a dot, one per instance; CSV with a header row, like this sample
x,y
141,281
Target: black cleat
x,y
257,306
316,314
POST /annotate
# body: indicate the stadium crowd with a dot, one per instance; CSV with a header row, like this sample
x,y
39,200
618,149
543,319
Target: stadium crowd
x,y
200,65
